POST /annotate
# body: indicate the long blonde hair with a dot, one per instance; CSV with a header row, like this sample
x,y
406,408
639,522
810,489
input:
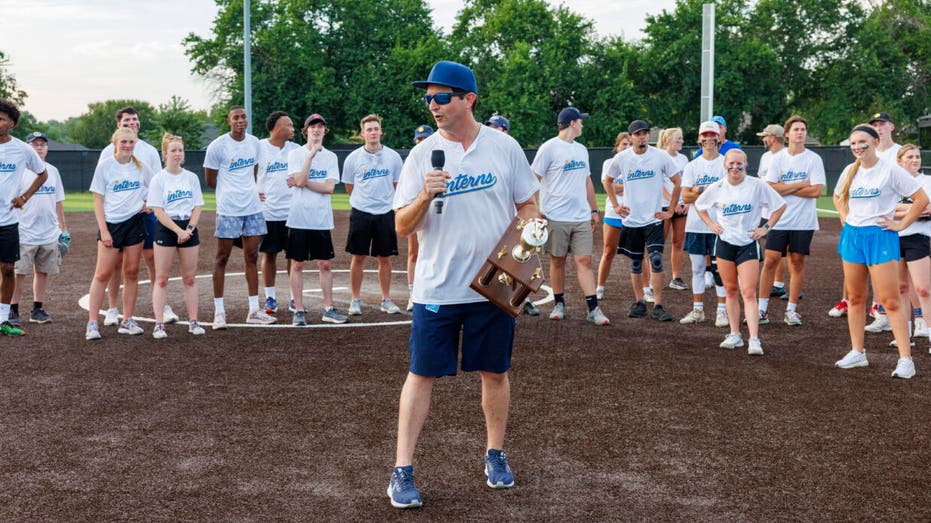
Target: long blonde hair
x,y
667,135
845,188
120,133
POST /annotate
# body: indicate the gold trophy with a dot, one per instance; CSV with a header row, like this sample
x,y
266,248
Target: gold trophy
x,y
513,270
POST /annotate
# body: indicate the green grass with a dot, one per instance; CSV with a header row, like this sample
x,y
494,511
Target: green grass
x,y
825,205
84,202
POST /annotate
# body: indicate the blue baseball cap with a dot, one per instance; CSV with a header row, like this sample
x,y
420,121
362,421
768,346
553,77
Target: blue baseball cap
x,y
569,115
450,74
499,121
719,120
36,135
423,131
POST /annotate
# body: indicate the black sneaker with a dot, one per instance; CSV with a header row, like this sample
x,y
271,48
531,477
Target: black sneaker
x,y
637,310
530,309
14,319
778,292
39,316
661,314
785,296
678,284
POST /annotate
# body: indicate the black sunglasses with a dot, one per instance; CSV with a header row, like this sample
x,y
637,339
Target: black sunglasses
x,y
443,98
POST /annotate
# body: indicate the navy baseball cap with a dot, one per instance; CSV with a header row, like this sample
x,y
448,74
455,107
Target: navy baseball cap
x,y
314,118
499,121
881,116
423,131
718,119
569,115
450,74
35,135
638,125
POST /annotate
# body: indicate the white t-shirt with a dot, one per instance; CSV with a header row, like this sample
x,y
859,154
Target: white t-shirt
x,y
890,154
123,186
235,162
38,219
644,176
681,161
739,207
273,179
310,209
609,209
701,173
919,227
15,158
176,194
487,181
144,152
564,169
801,213
373,176
875,192
765,161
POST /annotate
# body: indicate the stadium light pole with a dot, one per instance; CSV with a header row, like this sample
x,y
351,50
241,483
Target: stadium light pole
x,y
707,62
247,64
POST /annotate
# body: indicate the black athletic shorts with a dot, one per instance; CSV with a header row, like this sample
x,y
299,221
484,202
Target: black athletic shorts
x,y
308,244
128,233
795,241
165,237
914,247
635,241
371,234
276,239
737,253
9,243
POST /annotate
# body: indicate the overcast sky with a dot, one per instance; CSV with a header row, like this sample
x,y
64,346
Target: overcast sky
x,y
68,53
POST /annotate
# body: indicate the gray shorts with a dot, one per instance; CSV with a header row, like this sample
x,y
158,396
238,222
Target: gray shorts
x,y
566,237
232,227
43,258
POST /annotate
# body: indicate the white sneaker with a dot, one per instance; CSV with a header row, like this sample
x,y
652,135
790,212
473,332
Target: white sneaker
x,y
130,327
648,295
169,315
389,307
600,292
921,328
195,328
904,369
219,321
695,316
355,308
880,324
755,348
709,280
159,331
112,319
597,317
732,341
895,345
792,318
559,312
258,317
92,332
720,319
852,359
410,305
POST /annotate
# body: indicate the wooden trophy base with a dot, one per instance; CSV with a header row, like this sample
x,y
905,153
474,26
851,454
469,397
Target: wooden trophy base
x,y
503,279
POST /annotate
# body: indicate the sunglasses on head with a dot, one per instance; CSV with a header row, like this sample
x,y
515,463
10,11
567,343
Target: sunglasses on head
x,y
443,98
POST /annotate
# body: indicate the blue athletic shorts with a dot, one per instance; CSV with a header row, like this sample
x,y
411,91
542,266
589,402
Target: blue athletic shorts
x,y
617,223
869,245
699,243
231,227
487,334
150,221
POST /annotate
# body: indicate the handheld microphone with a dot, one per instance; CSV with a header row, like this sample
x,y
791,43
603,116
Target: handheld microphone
x,y
438,160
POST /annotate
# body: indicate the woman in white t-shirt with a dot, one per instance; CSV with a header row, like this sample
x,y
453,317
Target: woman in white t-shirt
x,y
670,140
611,226
176,199
119,186
866,197
915,243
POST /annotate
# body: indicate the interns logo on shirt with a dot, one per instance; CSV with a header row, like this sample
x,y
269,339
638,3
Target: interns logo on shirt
x,y
179,194
706,179
126,185
6,168
792,176
237,164
276,167
375,173
46,189
736,208
865,192
573,165
316,174
464,183
639,174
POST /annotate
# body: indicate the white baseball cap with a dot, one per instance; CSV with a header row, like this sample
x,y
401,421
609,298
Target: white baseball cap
x,y
709,127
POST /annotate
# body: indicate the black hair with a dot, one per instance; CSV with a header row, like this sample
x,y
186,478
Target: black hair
x,y
233,108
9,108
273,119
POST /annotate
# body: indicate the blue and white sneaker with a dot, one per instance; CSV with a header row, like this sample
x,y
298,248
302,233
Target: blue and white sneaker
x,y
497,469
292,308
271,305
401,488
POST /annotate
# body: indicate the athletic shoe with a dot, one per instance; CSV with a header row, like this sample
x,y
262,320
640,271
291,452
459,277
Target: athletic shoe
x,y
600,292
880,324
292,308
195,328
709,280
219,321
159,331
695,316
92,332
597,317
678,284
355,307
530,309
648,295
271,305
169,315
401,488
389,307
332,315
497,469
720,318
852,359
39,316
112,319
259,317
637,310
8,329
785,297
755,349
904,369
14,319
838,310
130,327
300,319
732,341
661,314
410,305
895,345
558,312
921,328
777,292
874,311
792,318
764,318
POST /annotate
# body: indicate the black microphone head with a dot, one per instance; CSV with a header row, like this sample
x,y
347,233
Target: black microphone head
x,y
438,159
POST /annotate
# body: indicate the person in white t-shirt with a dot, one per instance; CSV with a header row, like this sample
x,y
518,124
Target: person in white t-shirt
x,y
567,199
611,225
644,171
41,226
231,167
486,181
176,200
149,156
421,133
866,197
15,158
314,174
797,174
773,136
275,195
120,187
739,202
670,140
370,175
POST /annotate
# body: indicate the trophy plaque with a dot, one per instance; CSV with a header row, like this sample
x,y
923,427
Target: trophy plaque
x,y
513,270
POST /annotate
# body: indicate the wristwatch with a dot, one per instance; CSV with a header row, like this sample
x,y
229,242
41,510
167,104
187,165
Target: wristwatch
x,y
765,227
595,211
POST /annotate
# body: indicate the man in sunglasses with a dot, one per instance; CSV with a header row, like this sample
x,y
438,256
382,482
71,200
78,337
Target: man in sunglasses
x,y
484,181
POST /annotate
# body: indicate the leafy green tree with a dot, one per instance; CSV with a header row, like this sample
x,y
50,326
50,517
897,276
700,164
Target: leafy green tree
x,y
8,89
95,127
177,117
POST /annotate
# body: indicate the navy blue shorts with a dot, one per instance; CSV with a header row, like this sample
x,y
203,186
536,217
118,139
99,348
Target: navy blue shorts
x,y
700,243
487,334
150,221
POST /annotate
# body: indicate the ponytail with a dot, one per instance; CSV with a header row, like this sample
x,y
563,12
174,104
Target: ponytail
x,y
845,188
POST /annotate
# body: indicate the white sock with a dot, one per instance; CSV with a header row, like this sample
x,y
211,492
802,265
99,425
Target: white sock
x,y
270,292
253,303
791,307
779,284
218,305
722,306
698,305
4,312
764,303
